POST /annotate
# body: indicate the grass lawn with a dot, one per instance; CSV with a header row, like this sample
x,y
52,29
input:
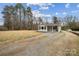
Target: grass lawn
x,y
12,36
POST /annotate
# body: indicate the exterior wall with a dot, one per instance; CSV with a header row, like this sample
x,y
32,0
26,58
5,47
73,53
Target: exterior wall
x,y
52,28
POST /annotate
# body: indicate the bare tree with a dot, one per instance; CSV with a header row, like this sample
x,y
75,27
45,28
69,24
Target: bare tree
x,y
9,17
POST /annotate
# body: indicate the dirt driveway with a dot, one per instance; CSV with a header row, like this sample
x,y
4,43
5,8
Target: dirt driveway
x,y
63,43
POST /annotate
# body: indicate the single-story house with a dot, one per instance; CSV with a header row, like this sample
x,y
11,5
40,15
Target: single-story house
x,y
50,27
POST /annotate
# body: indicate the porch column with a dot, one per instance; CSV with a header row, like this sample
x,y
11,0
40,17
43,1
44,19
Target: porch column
x,y
59,28
46,28
52,28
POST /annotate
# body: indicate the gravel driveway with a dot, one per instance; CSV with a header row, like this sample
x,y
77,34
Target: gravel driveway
x,y
44,45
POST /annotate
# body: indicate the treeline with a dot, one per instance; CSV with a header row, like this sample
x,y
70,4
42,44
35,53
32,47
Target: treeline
x,y
71,22
18,17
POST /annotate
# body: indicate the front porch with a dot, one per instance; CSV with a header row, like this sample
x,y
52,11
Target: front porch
x,y
45,28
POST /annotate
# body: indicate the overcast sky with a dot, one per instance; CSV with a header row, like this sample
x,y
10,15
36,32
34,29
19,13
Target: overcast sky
x,y
48,9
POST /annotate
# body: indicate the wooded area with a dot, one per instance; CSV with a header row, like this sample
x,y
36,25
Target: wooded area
x,y
19,17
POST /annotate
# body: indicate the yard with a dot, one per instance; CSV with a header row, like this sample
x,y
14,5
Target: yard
x,y
12,36
24,43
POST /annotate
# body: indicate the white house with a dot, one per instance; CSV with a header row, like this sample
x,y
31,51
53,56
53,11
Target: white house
x,y
49,27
